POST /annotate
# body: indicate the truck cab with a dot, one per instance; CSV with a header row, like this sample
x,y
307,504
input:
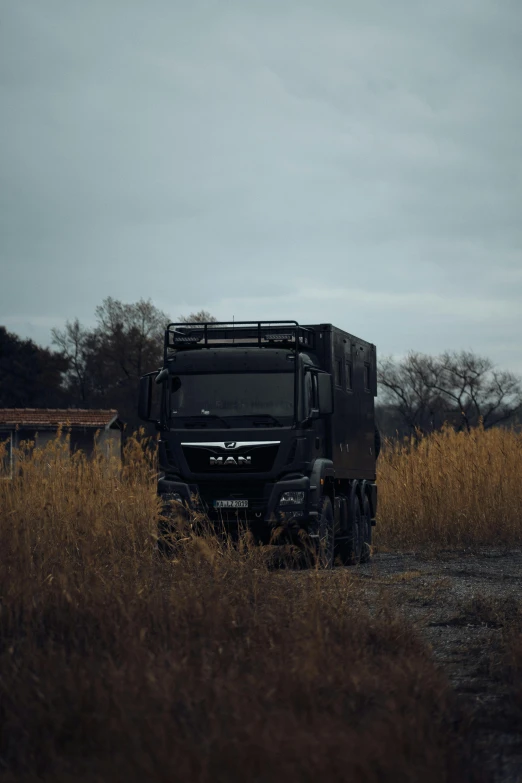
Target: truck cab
x,y
268,424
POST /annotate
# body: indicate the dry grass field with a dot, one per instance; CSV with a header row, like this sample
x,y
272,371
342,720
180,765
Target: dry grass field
x,y
452,490
118,665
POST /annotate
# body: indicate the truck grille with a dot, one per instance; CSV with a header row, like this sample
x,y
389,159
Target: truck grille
x,y
224,458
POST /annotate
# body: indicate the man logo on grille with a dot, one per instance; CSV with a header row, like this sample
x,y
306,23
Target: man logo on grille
x,y
216,461
231,444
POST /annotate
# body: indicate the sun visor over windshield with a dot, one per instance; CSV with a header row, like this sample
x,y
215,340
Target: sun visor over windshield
x,y
232,360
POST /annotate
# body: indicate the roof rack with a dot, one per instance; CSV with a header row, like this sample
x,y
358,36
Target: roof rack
x,y
222,334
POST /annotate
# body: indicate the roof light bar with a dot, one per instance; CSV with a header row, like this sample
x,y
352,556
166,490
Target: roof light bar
x,y
279,337
245,333
188,338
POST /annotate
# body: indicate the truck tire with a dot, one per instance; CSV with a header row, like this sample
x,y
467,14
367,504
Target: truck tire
x,y
366,530
351,548
326,535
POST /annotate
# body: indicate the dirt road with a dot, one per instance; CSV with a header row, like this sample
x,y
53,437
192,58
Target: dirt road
x,y
457,601
461,603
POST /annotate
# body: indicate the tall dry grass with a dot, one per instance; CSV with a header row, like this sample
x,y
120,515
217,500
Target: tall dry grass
x,y
117,665
451,490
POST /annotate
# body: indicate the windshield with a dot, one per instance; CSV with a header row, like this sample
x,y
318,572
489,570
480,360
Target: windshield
x,y
233,394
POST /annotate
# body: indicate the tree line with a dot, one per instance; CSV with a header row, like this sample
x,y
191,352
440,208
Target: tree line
x,y
100,367
420,393
96,367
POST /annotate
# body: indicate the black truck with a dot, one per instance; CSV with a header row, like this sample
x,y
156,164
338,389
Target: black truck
x,y
271,425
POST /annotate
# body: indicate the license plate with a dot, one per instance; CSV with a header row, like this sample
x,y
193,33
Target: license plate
x,y
231,504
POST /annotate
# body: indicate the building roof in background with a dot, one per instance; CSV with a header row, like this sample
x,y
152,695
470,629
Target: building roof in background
x,y
54,417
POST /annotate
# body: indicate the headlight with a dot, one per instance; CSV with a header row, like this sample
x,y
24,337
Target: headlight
x,y
292,498
172,496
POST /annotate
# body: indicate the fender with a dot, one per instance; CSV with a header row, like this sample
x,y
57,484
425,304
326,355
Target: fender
x,y
321,469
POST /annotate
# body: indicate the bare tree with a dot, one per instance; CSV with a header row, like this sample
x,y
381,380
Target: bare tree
x,y
476,389
407,388
130,335
457,387
106,362
73,342
202,316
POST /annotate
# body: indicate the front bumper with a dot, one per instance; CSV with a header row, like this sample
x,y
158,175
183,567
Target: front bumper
x,y
263,499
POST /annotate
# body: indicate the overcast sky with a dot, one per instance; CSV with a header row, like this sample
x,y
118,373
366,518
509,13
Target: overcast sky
x,y
357,162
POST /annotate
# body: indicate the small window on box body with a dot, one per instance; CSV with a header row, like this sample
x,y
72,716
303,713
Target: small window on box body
x,y
349,378
366,376
338,366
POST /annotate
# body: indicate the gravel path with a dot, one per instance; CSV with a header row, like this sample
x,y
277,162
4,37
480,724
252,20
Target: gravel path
x,y
456,601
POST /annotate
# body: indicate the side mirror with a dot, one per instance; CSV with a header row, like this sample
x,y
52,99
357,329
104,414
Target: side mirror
x,y
160,377
145,398
325,389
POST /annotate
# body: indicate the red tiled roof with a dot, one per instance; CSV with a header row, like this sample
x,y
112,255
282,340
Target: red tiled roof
x,y
53,417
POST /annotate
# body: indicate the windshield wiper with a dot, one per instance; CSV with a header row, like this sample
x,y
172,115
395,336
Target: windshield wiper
x,y
266,416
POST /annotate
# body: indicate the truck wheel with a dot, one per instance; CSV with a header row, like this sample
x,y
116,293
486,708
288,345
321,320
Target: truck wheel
x,y
366,530
350,548
325,529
